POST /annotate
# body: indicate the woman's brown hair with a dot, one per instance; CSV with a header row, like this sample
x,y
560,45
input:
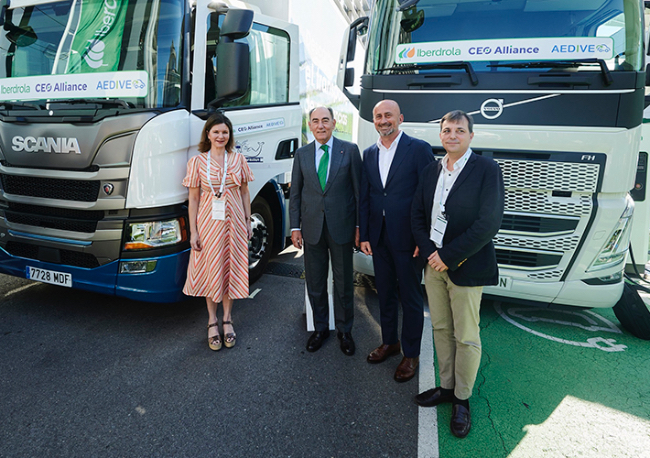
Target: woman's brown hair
x,y
217,118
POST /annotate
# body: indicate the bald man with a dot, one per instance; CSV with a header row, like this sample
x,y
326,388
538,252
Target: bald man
x,y
389,177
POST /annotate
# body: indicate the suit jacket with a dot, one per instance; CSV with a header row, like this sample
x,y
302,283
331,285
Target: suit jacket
x,y
394,200
474,211
338,203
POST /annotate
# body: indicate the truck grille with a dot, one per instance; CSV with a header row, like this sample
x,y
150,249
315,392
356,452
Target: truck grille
x,y
66,257
50,188
547,208
54,218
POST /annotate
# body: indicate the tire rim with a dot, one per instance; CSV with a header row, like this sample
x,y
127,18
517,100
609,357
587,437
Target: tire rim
x,y
258,243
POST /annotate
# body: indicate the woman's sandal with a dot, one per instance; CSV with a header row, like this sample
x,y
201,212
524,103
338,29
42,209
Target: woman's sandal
x,y
214,342
229,339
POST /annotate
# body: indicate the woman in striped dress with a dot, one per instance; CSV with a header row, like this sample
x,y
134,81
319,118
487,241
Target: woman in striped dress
x,y
219,212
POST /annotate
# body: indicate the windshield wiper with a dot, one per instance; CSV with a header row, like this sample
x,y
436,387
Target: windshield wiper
x,y
464,65
105,103
607,76
31,106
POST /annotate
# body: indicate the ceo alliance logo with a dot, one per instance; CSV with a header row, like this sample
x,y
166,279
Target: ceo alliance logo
x,y
492,108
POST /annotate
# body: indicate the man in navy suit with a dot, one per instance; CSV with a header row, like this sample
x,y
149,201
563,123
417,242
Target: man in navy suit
x,y
457,211
389,177
324,218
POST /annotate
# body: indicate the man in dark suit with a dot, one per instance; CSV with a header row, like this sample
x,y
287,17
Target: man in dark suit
x,y
391,169
457,210
324,218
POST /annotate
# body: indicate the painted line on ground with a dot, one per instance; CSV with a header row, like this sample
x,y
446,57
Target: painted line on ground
x,y
13,291
427,416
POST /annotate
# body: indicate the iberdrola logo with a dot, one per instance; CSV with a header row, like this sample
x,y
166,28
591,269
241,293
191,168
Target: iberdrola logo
x,y
407,53
95,54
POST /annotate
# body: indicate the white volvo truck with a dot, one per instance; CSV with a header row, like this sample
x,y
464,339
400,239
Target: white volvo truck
x,y
101,105
556,88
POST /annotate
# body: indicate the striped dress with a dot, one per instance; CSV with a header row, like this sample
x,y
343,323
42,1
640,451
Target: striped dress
x,y
221,267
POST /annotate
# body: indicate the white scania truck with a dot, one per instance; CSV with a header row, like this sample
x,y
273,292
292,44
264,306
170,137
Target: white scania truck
x,y
101,105
556,88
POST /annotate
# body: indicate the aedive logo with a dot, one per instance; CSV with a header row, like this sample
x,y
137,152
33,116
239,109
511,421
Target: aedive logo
x,y
492,108
61,145
95,54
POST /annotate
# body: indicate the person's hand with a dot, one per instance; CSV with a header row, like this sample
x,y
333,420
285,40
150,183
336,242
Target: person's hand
x,y
365,247
416,253
195,242
436,263
249,229
356,237
296,239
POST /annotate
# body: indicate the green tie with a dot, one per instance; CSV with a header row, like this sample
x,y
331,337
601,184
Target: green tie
x,y
322,167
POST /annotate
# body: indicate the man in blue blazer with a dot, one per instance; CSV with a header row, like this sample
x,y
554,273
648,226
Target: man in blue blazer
x,y
324,219
390,173
457,211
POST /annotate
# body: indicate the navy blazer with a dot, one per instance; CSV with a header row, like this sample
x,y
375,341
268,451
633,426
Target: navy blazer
x,y
411,157
474,211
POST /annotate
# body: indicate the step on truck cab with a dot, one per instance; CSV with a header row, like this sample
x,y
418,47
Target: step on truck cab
x,y
101,105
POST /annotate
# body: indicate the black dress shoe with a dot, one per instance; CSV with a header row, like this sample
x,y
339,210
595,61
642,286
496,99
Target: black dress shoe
x,y
316,340
347,343
461,420
433,397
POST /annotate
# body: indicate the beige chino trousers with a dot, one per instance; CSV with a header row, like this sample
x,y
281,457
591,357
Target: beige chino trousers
x,y
455,319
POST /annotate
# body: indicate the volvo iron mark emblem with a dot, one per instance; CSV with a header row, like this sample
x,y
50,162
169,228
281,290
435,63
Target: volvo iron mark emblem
x,y
492,108
108,189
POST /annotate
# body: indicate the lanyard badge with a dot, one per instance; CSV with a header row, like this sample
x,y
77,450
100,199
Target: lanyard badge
x,y
218,205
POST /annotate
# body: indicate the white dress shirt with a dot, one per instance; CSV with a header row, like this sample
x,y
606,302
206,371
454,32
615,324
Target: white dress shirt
x,y
386,156
446,181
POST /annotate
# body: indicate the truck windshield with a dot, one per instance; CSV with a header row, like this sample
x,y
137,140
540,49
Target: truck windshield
x,y
494,34
89,51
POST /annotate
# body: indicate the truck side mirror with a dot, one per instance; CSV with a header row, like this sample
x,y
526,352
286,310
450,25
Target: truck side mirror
x,y
233,59
647,75
237,24
233,70
345,77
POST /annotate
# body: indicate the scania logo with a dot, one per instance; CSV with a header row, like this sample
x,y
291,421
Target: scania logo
x,y
61,145
492,108
108,188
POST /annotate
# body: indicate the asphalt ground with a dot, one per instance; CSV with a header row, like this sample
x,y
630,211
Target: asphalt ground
x,y
83,374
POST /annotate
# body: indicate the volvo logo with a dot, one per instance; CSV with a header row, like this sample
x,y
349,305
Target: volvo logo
x,y
61,145
108,188
492,108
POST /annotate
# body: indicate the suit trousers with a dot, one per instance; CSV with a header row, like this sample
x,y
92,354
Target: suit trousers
x,y
398,276
455,319
317,259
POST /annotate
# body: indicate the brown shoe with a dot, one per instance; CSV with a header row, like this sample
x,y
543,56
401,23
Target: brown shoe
x,y
383,352
406,369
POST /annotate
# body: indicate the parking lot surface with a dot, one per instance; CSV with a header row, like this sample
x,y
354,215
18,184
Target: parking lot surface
x,y
90,375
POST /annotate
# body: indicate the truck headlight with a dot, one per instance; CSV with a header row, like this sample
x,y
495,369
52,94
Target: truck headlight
x,y
155,234
618,242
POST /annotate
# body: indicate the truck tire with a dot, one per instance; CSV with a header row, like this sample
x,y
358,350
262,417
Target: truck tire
x,y
260,246
633,313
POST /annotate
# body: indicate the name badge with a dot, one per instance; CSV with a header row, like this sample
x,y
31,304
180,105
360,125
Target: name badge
x,y
218,209
438,230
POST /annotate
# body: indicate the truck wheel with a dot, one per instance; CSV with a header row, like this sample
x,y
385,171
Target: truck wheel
x,y
633,313
261,245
